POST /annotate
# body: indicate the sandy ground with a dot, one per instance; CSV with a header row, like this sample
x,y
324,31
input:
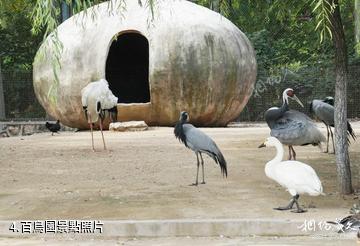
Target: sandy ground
x,y
146,175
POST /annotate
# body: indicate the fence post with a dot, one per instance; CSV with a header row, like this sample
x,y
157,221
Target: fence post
x,y
2,99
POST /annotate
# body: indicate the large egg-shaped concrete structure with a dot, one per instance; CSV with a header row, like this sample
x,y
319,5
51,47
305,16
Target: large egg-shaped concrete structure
x,y
184,57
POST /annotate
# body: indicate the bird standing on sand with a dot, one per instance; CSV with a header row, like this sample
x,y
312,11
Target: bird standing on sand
x,y
96,99
198,142
297,177
292,127
53,127
324,110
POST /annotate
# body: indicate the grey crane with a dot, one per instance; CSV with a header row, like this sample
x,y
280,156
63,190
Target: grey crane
x,y
96,99
198,142
324,110
292,127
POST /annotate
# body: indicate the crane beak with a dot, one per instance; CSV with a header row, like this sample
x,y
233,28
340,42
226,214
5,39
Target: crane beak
x,y
262,145
298,100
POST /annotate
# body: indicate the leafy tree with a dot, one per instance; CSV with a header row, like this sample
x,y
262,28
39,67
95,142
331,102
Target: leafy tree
x,y
17,46
17,49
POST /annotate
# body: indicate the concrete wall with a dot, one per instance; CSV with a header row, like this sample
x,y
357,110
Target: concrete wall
x,y
198,61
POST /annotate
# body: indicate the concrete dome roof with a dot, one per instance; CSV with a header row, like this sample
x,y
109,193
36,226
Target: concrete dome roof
x,y
188,58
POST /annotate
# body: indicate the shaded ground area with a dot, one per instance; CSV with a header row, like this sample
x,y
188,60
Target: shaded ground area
x,y
146,175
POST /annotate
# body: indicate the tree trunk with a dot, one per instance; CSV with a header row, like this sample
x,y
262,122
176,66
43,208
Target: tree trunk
x,y
2,99
357,25
341,73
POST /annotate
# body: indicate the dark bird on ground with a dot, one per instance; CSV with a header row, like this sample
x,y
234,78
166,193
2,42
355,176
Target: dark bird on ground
x,y
292,127
324,110
97,99
53,127
347,224
198,142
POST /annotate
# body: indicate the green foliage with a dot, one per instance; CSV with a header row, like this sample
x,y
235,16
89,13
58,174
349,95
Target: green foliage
x,y
286,36
290,53
46,15
324,9
18,45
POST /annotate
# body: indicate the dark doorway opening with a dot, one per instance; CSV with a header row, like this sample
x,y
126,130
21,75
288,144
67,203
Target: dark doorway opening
x,y
127,68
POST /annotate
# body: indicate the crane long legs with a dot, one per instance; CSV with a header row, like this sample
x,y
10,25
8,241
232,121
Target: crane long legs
x,y
91,130
198,165
197,172
327,139
92,134
202,165
102,135
332,139
292,154
329,131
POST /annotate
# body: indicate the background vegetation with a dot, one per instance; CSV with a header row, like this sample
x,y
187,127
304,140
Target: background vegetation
x,y
287,47
17,50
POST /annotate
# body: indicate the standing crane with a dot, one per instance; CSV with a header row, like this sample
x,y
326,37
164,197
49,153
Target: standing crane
x,y
297,177
96,99
198,142
324,110
292,127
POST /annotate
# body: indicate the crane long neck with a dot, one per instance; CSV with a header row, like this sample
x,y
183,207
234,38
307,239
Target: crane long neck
x,y
285,106
275,114
279,153
269,167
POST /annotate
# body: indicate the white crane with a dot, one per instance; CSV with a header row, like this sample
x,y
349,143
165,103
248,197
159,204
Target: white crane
x,y
96,99
297,177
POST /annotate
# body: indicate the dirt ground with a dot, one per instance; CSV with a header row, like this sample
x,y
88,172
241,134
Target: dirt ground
x,y
146,175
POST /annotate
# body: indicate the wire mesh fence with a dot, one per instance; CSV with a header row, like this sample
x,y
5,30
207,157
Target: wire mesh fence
x,y
309,83
19,96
